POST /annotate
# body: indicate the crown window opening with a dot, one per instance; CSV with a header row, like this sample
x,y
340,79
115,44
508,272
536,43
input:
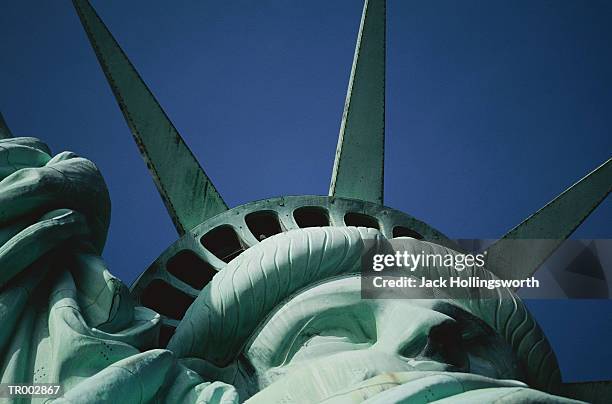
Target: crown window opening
x,y
223,242
401,231
311,216
263,224
191,269
360,220
165,299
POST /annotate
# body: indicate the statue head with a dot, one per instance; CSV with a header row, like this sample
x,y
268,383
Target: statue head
x,y
287,318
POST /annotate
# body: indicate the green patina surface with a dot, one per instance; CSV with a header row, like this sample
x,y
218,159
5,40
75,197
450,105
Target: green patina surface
x,y
552,225
282,319
360,155
5,132
187,192
282,322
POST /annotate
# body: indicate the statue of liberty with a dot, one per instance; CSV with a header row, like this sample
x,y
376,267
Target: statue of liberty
x,y
261,302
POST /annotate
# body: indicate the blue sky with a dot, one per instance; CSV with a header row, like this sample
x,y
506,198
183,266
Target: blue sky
x,y
493,108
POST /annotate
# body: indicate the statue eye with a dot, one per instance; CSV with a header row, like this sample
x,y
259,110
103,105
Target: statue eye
x,y
331,332
445,344
323,345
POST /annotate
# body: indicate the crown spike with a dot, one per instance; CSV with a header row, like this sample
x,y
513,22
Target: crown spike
x,y
5,132
189,195
359,164
550,226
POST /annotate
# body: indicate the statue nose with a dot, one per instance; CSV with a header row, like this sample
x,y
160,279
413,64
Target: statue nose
x,y
424,333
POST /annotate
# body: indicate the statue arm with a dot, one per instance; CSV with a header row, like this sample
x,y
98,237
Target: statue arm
x,y
65,318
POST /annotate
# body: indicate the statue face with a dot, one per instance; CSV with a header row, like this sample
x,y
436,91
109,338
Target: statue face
x,y
286,322
327,339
